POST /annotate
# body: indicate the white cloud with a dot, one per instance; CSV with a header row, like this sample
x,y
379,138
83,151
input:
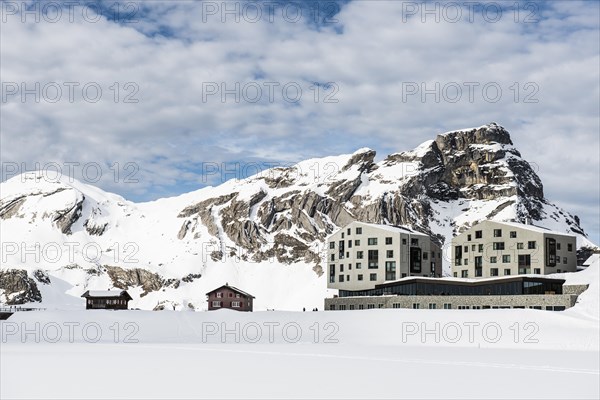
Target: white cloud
x,y
370,55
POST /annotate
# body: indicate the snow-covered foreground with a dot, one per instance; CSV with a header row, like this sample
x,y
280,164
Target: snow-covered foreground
x,y
386,353
344,354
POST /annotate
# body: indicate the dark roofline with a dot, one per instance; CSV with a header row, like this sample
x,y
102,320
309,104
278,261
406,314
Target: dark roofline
x,y
484,282
232,288
122,293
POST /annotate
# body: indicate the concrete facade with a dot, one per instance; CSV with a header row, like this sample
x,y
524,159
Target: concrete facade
x,y
490,249
395,253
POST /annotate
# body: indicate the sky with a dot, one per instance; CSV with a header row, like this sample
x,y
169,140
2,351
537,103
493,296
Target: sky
x,y
153,99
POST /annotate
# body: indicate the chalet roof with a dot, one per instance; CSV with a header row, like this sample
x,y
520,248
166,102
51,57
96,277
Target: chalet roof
x,y
107,293
232,288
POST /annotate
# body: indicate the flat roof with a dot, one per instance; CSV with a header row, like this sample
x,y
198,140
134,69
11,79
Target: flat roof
x,y
534,228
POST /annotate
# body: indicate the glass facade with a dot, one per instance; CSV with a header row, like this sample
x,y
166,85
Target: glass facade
x,y
419,287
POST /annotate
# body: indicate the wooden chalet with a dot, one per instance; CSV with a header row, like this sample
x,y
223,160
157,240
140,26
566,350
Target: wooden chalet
x,y
229,297
106,299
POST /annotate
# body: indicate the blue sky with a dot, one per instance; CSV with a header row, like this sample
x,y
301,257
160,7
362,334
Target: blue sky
x,y
167,55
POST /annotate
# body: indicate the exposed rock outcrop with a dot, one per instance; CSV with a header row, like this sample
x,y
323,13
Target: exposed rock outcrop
x,y
18,288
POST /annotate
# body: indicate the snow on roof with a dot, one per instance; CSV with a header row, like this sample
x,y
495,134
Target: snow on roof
x,y
104,293
533,228
391,228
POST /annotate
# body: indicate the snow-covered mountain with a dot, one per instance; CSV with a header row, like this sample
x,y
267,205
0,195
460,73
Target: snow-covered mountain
x,y
264,234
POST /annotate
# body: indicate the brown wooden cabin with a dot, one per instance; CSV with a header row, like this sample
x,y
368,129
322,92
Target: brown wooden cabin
x,y
106,299
229,297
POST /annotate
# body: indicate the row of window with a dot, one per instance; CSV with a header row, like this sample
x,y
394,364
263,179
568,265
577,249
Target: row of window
x,y
109,302
234,304
524,260
512,235
494,272
373,242
220,295
446,306
374,255
346,278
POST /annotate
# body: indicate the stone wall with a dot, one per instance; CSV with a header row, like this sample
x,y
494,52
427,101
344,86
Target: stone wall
x,y
527,301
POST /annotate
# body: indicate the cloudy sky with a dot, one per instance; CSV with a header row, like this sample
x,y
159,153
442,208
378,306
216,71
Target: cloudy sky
x,y
164,91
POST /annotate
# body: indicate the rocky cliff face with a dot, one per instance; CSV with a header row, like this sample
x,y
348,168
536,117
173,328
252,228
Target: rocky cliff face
x,y
280,217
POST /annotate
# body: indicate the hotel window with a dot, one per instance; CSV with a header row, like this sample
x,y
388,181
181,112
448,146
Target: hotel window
x,y
348,231
373,277
332,245
373,259
357,242
454,274
349,244
341,278
342,307
390,270
361,306
332,257
432,306
569,247
557,246
404,241
414,242
493,260
506,258
341,267
219,295
564,260
216,303
359,231
480,248
497,232
388,240
332,306
416,306
347,278
493,271
464,307
389,254
519,246
396,305
351,306
464,273
370,306
342,235
457,262
531,244
359,255
360,277
380,305
466,261
358,265
537,271
349,266
447,306
472,247
347,254
507,271
468,238
466,249
425,255
558,270
331,273
478,234
513,234
372,241
498,245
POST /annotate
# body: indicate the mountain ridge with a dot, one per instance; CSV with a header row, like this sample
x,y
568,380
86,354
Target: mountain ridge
x,y
265,233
